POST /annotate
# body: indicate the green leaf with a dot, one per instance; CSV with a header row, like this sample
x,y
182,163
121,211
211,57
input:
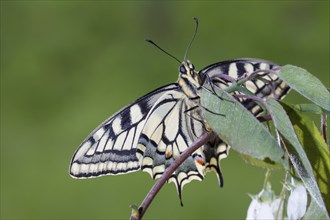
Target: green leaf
x,y
240,129
312,108
314,212
296,152
315,147
306,84
260,163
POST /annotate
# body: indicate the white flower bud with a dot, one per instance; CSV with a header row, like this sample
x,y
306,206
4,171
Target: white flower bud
x,y
297,203
259,210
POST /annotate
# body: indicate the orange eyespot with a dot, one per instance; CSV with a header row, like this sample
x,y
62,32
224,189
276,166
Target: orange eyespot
x,y
199,160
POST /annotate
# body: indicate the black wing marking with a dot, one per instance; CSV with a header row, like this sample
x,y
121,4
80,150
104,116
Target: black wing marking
x,y
111,147
168,131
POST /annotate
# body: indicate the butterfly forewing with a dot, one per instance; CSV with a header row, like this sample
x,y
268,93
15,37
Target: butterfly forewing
x,y
266,85
111,147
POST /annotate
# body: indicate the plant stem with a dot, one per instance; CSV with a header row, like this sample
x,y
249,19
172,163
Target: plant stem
x,y
168,172
324,126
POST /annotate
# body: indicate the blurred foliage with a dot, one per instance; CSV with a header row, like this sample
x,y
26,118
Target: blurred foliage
x,y
68,65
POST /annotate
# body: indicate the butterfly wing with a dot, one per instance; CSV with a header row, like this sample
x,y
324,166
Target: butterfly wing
x,y
169,130
268,85
111,147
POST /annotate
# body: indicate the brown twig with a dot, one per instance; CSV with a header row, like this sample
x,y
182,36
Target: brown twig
x,y
168,172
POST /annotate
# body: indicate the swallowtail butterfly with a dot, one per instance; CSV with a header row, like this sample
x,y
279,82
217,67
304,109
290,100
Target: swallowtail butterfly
x,y
150,133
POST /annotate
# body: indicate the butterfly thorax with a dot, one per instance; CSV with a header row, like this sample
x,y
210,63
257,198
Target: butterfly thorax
x,y
189,79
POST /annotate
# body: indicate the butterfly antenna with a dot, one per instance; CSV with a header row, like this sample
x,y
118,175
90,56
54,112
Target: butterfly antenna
x,y
153,43
192,40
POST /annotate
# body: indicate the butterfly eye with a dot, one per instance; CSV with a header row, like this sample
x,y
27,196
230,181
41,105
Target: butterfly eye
x,y
183,69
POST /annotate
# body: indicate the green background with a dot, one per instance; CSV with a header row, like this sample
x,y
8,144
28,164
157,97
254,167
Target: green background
x,y
68,65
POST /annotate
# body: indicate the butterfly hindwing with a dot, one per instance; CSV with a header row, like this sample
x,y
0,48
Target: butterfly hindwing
x,y
168,131
111,147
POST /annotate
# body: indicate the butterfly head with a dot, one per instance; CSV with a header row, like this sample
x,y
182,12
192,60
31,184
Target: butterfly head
x,y
188,75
